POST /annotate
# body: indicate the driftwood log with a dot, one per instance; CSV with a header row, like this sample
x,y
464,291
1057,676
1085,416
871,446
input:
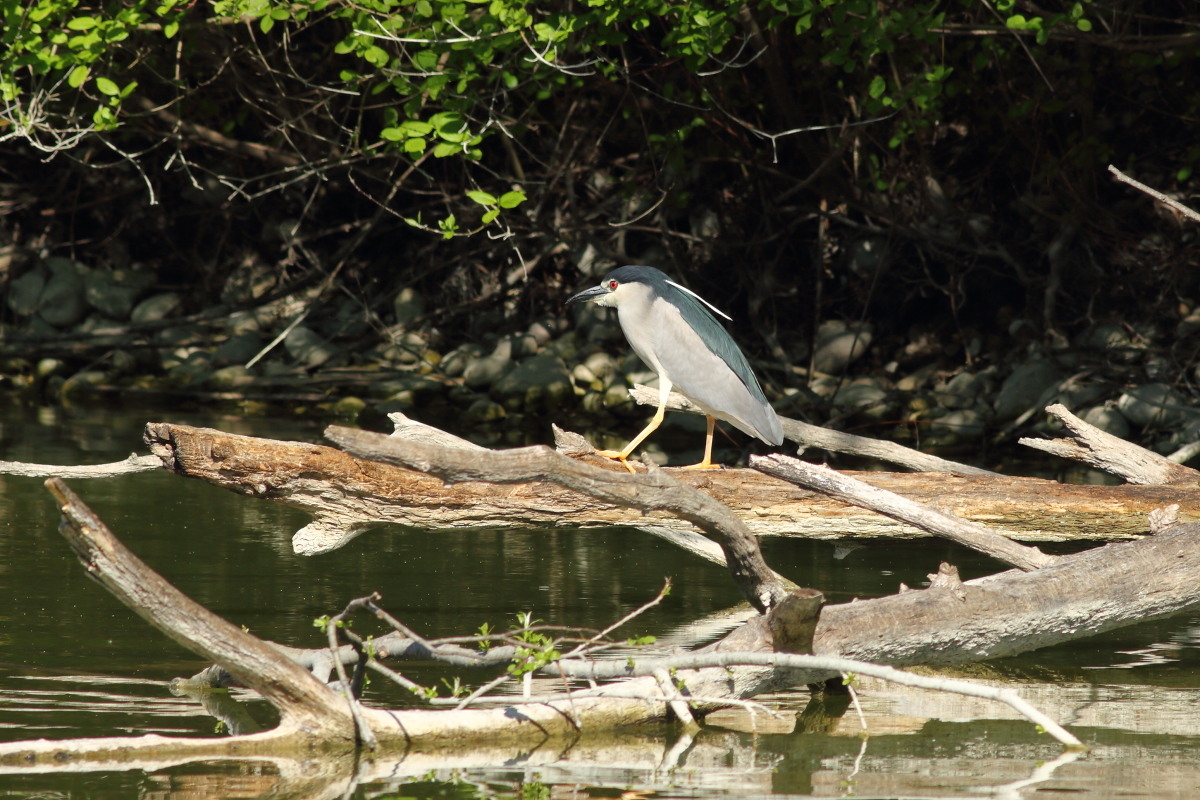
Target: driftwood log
x,y
348,496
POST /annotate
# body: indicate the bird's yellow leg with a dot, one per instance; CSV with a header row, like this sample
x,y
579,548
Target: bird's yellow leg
x,y
707,462
663,392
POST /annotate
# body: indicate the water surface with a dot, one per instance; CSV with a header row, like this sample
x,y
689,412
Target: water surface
x,y
74,662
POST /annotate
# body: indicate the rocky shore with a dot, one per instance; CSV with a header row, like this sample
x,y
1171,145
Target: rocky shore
x,y
76,334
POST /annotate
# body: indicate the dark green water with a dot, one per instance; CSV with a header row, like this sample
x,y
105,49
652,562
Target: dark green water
x,y
74,662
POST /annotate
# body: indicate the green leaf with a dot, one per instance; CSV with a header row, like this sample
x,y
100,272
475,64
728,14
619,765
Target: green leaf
x,y
82,23
512,199
415,146
444,149
266,23
106,86
77,76
877,88
491,215
171,28
483,198
415,127
1084,25
376,55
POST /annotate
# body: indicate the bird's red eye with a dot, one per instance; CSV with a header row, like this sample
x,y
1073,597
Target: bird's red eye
x,y
612,285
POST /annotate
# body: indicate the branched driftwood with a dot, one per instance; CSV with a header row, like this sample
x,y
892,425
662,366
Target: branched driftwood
x,y
315,716
652,491
1106,452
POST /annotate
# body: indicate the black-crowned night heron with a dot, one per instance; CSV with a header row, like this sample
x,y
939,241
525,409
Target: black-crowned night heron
x,y
672,330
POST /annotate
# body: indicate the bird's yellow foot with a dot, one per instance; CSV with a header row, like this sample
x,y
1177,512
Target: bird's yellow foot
x,y
704,465
616,455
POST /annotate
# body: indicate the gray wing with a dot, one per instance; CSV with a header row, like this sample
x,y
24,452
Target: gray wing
x,y
705,365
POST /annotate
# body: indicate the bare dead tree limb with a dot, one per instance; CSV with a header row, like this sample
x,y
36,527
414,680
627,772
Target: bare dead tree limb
x,y
653,491
133,464
969,534
1106,452
303,701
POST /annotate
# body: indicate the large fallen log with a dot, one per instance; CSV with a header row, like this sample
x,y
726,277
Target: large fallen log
x,y
347,496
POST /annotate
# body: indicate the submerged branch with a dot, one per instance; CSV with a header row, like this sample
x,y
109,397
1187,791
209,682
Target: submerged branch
x,y
302,700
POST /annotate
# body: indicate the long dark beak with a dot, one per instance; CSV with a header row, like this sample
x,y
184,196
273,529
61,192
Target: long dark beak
x,y
588,294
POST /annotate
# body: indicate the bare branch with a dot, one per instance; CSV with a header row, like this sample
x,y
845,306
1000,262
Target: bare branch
x,y
652,491
134,463
1157,195
1111,454
969,534
301,699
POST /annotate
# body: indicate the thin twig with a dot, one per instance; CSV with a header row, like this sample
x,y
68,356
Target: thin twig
x,y
365,734
1157,195
630,616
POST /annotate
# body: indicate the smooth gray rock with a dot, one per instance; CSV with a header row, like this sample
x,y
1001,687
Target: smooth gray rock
x,y
602,365
524,345
1077,392
456,361
1025,387
585,377
484,372
234,376
862,394
1154,404
63,300
407,306
542,332
307,347
238,349
541,383
964,424
25,292
1107,419
839,344
114,292
157,307
193,370
485,410
961,391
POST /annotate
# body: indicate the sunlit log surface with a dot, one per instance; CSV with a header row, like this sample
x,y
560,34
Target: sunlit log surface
x,y
347,496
